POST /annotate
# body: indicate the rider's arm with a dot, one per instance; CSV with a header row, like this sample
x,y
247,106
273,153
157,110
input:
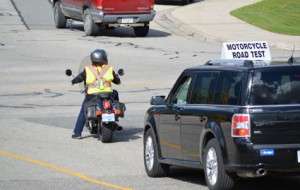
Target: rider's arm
x,y
117,79
79,78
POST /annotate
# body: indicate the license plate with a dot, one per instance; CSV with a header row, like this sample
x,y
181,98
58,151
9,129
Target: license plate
x,y
127,20
298,155
108,117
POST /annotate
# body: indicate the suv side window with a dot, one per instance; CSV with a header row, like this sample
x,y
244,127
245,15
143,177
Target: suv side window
x,y
204,88
230,88
180,96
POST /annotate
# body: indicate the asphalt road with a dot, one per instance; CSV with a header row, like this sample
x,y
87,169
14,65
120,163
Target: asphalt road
x,y
38,106
37,14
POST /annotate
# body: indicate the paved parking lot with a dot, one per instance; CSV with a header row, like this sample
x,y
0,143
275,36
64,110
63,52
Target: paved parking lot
x,y
38,105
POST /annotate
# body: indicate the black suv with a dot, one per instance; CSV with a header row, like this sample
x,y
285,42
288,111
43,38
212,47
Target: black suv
x,y
231,118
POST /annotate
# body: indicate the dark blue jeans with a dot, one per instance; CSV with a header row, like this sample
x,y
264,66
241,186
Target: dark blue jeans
x,y
81,119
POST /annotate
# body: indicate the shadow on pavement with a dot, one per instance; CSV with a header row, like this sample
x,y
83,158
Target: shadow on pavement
x,y
120,32
128,134
173,2
193,176
272,182
125,135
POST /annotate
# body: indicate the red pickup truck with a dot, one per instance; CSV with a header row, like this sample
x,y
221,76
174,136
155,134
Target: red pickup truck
x,y
105,13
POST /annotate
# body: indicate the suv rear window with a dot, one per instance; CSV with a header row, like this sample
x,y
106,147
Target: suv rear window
x,y
276,86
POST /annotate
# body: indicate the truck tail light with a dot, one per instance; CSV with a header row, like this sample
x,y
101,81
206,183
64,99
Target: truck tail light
x,y
98,4
240,125
106,104
152,3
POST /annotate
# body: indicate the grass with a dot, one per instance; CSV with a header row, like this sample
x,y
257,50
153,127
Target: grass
x,y
279,16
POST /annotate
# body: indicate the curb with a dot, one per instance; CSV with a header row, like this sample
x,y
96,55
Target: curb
x,y
166,20
191,31
19,14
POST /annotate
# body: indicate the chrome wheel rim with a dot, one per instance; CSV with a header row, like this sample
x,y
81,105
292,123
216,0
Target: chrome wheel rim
x,y
55,14
212,166
149,153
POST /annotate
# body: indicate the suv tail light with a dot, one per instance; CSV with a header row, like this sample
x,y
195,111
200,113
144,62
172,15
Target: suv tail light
x,y
106,104
240,125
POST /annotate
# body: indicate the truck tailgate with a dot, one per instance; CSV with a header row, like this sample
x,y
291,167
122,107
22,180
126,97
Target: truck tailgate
x,y
127,6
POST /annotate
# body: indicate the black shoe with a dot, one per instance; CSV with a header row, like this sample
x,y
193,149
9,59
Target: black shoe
x,y
76,136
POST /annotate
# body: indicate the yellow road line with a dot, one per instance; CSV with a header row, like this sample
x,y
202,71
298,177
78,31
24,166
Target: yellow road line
x,y
62,170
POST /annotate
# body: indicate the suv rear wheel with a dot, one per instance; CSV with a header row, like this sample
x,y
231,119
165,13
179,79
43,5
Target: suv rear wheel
x,y
141,31
90,27
152,165
59,17
215,174
185,2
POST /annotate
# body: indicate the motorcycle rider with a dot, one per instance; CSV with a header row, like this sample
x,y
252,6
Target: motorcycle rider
x,y
97,77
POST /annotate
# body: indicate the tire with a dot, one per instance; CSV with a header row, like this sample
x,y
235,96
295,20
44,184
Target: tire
x,y
152,166
106,134
90,27
185,2
94,130
59,18
141,31
213,161
92,127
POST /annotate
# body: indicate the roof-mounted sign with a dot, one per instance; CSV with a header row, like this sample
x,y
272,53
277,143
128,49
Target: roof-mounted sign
x,y
256,51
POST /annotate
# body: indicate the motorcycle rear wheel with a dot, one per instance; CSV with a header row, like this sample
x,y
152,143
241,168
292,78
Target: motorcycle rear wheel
x,y
106,134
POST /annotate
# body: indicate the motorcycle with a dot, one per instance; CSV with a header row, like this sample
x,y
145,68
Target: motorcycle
x,y
103,112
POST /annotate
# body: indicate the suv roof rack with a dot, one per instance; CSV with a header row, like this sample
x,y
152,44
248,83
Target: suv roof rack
x,y
293,60
235,62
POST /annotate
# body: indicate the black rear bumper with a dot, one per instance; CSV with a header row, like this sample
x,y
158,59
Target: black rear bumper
x,y
100,17
272,158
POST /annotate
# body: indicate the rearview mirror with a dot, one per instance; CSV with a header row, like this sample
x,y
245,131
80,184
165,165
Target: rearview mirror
x,y
121,72
158,100
68,72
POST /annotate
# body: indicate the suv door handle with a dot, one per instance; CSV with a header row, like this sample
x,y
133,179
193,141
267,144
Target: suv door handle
x,y
178,109
203,119
177,117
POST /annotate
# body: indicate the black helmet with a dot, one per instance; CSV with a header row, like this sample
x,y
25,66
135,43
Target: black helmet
x,y
99,56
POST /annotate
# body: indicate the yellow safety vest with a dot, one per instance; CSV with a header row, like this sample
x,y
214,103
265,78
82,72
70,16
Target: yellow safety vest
x,y
98,79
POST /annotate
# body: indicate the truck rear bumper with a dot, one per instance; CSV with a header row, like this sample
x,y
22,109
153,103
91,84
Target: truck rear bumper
x,y
100,17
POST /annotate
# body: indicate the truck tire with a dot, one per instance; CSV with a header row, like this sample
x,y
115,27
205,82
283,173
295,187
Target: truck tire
x,y
215,174
141,31
152,166
106,134
90,27
59,18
